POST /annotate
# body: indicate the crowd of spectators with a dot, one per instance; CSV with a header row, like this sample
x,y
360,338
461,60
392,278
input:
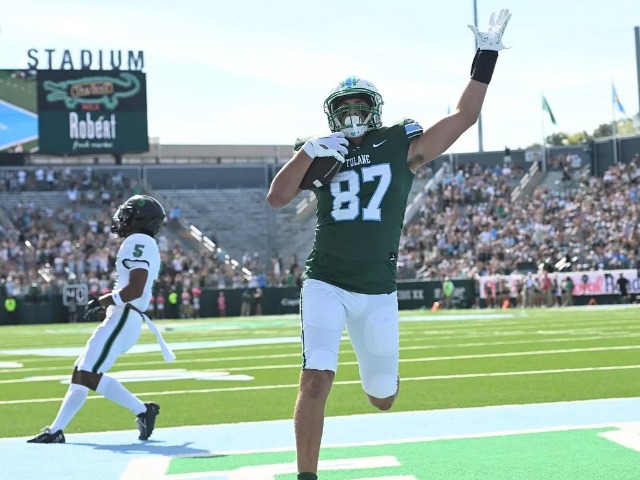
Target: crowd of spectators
x,y
49,246
467,228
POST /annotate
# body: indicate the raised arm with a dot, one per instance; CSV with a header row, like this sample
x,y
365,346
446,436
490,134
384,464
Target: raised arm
x,y
436,139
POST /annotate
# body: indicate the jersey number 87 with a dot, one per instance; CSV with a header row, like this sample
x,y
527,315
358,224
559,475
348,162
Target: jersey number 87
x,y
346,203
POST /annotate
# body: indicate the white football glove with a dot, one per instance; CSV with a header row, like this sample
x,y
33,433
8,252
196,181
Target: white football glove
x,y
334,145
492,38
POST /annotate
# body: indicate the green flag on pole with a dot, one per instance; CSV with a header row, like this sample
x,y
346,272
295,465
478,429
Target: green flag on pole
x,y
547,108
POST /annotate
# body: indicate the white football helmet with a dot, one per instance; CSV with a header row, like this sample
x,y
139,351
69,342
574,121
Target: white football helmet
x,y
352,126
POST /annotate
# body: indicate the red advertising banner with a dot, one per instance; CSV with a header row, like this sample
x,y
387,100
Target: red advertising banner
x,y
600,282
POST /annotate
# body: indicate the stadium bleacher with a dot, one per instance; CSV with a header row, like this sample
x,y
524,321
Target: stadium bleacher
x,y
463,225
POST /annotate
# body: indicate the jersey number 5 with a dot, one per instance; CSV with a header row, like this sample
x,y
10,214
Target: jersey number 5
x,y
137,250
346,203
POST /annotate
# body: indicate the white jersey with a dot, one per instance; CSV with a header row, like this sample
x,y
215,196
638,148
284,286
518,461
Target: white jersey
x,y
138,251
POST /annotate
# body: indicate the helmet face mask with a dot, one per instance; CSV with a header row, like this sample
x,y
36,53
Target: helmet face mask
x,y
369,114
139,214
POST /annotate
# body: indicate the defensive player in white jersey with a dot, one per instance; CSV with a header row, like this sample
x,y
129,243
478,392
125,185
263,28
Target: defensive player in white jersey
x,y
137,265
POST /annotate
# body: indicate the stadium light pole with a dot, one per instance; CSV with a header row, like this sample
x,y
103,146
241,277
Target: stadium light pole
x,y
475,22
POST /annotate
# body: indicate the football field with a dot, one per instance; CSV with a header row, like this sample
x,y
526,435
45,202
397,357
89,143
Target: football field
x,y
18,110
545,393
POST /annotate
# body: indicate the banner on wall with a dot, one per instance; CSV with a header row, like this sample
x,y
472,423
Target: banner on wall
x,y
280,301
600,282
422,294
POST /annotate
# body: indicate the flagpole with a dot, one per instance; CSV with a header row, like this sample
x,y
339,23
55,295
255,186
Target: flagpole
x,y
614,127
544,141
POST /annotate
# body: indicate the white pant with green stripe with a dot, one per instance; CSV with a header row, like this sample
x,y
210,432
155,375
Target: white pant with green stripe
x,y
372,324
118,332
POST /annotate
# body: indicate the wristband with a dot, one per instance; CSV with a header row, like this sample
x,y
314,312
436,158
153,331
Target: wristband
x,y
483,64
310,149
115,295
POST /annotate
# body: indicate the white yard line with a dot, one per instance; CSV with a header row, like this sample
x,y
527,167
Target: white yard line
x,y
348,382
251,368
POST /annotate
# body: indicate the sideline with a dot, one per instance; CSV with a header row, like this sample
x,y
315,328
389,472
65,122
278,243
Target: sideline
x,y
119,455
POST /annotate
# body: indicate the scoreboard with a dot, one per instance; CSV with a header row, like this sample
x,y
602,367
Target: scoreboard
x,y
91,111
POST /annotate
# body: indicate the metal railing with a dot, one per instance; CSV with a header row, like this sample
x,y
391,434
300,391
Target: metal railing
x,y
533,174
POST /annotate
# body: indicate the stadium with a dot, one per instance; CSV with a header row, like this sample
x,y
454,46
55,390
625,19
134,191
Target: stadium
x,y
518,283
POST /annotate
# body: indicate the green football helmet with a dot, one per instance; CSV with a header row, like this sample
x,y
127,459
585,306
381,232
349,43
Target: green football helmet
x,y
351,126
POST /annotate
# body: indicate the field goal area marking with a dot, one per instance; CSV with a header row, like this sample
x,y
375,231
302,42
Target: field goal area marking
x,y
627,434
233,451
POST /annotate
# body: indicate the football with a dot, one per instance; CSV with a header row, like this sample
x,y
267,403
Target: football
x,y
320,172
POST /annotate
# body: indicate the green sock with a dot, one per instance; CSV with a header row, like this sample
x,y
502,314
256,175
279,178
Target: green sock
x,y
307,476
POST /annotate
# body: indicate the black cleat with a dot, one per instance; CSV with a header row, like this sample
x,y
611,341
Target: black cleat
x,y
147,420
47,436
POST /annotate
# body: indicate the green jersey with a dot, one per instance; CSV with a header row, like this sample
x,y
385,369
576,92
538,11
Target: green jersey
x,y
361,212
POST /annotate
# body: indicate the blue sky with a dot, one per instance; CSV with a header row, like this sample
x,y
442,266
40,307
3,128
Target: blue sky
x,y
257,72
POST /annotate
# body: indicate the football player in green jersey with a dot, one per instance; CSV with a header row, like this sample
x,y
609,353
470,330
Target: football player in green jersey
x,y
350,275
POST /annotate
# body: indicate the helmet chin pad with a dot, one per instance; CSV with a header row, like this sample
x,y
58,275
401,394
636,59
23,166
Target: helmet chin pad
x,y
354,132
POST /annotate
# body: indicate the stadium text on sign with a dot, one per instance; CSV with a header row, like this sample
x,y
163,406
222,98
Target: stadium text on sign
x,y
54,59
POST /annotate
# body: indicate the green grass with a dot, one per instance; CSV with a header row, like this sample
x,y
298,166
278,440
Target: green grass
x,y
541,356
